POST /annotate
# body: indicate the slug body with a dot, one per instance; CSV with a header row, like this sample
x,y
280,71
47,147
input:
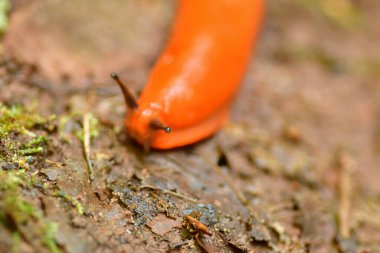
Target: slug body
x,y
191,86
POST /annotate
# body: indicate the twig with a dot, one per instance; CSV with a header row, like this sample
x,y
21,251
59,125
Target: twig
x,y
169,192
234,188
345,163
86,144
280,207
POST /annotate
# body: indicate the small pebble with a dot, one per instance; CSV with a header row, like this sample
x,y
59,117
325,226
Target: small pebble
x,y
10,166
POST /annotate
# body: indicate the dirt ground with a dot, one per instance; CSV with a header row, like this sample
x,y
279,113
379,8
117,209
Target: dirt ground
x,y
296,169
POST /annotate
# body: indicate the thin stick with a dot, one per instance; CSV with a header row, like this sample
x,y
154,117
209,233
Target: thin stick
x,y
86,144
234,188
345,191
169,192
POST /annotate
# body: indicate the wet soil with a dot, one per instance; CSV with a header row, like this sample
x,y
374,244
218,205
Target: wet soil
x,y
295,170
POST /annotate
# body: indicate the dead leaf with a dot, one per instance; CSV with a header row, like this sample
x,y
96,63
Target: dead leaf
x,y
161,224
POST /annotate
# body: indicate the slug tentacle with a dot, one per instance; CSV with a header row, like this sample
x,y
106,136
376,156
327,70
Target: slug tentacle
x,y
130,100
155,124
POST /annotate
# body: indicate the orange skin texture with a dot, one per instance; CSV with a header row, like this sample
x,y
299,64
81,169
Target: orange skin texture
x,y
192,84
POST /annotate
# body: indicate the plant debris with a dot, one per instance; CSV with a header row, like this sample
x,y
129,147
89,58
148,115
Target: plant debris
x,y
296,170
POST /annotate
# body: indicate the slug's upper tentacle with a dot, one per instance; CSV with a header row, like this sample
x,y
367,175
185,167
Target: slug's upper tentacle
x,y
141,123
130,100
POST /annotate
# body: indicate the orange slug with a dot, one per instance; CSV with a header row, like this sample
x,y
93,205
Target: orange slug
x,y
191,87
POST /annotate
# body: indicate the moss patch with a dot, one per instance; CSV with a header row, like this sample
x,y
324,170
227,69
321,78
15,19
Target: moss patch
x,y
22,143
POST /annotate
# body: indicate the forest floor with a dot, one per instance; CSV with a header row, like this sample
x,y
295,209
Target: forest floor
x,y
296,169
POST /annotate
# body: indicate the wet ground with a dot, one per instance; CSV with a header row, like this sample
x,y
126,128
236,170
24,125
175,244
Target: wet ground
x,y
296,169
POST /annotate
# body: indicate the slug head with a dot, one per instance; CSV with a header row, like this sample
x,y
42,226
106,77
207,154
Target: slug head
x,y
142,123
145,124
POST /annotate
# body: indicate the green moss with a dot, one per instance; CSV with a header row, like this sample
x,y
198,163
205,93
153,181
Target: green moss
x,y
12,203
19,209
35,146
37,141
15,119
19,145
16,239
16,128
31,151
70,199
48,238
13,180
16,210
5,6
